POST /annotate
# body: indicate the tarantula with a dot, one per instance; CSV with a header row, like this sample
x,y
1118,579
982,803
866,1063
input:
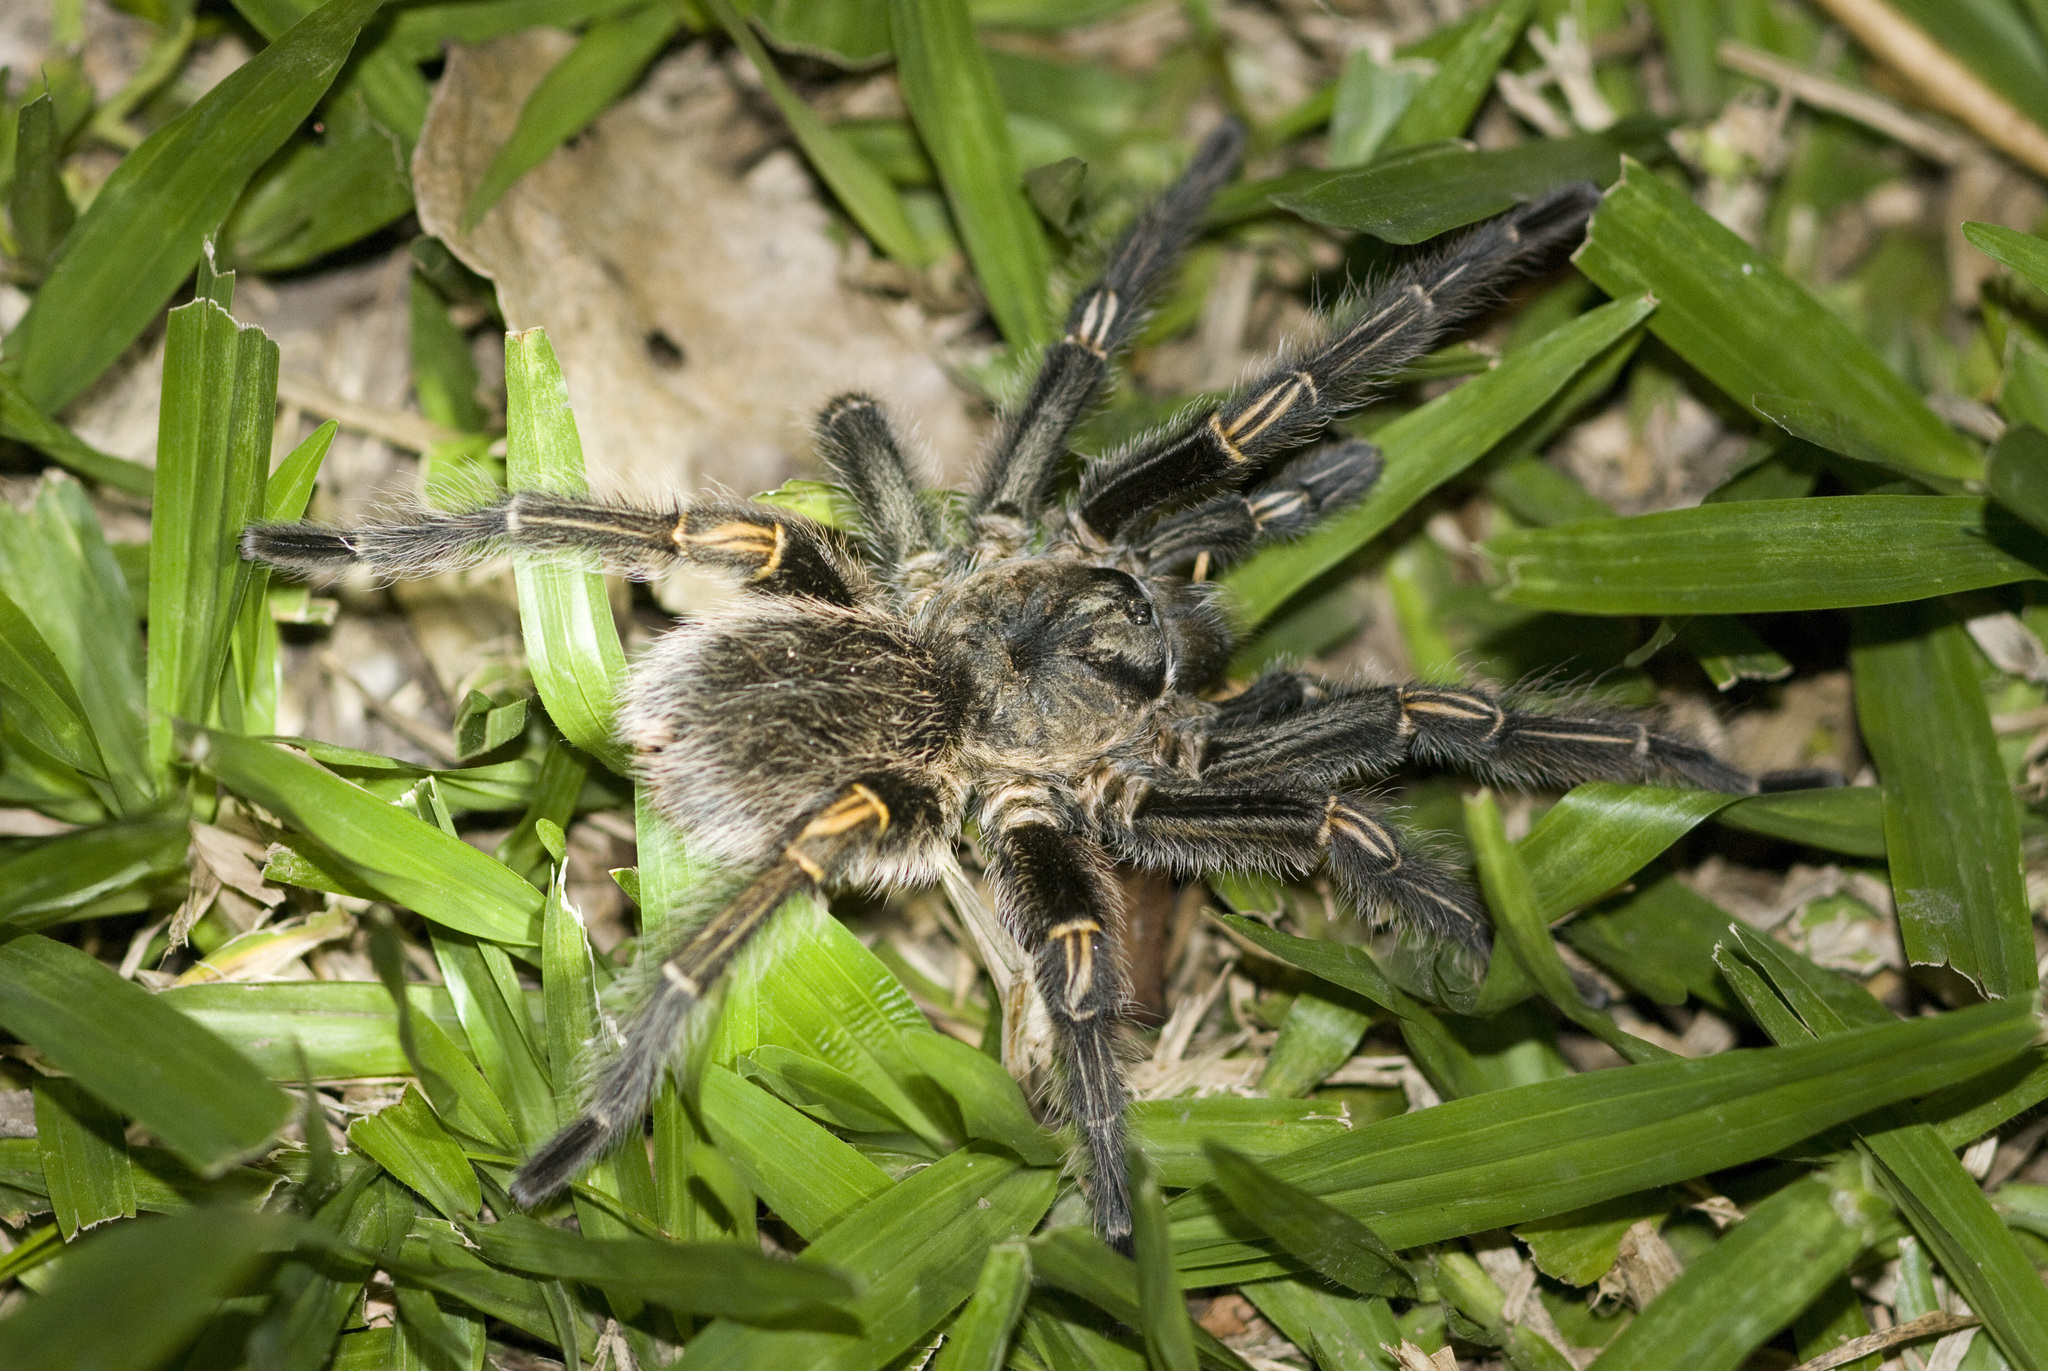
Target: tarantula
x,y
1040,669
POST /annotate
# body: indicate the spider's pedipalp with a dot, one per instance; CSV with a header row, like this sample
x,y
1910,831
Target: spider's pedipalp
x,y
1102,319
1406,316
859,447
1202,540
1053,893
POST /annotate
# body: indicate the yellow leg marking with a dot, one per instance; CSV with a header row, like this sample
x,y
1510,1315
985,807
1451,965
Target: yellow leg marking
x,y
680,979
733,539
1451,706
774,562
849,811
1367,833
1230,449
1555,737
1077,949
810,868
1201,566
558,521
1270,408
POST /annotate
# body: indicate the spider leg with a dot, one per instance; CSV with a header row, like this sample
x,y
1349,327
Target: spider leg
x,y
1194,828
875,809
860,448
1101,321
1053,892
1290,724
769,550
1397,323
1205,538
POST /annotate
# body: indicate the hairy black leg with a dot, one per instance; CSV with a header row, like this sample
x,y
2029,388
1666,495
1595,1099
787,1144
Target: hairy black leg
x,y
1202,540
1190,829
1336,733
860,448
1101,321
766,549
1398,322
1053,892
858,819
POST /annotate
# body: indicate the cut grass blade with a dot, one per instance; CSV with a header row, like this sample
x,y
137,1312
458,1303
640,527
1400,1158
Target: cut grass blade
x,y
1769,556
1425,448
603,65
980,1337
1728,310
572,645
1951,829
84,1155
213,455
204,1100
953,101
408,1141
142,233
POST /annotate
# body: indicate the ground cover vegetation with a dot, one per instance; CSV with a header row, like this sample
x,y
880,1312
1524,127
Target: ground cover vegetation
x,y
310,897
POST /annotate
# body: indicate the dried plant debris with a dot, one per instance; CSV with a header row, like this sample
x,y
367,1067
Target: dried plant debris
x,y
1765,462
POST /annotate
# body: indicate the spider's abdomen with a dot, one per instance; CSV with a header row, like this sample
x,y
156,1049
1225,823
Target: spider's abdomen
x,y
743,721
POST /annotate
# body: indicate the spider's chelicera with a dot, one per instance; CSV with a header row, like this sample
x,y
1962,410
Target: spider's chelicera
x,y
1041,669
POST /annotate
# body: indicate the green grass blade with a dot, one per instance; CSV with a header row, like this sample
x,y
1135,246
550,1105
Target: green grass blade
x,y
1752,1282
1442,1058
2023,252
164,1277
953,101
58,877
1464,77
863,190
39,698
213,456
24,423
408,1141
572,645
1323,1237
1341,1334
1951,827
1728,310
689,1278
142,233
1843,819
2017,475
84,1155
405,860
319,195
1072,1260
1173,1133
496,1017
1411,199
603,65
204,1100
913,1252
1162,1313
810,1178
1602,833
1511,896
1530,1151
1317,1036
1769,556
1428,447
980,1337
38,206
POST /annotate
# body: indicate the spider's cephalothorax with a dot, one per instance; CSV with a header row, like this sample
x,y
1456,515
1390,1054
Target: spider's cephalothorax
x,y
1040,669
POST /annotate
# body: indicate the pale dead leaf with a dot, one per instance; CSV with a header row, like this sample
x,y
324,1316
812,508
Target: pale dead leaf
x,y
645,227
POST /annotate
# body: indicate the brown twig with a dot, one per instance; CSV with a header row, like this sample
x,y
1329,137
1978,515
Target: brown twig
x,y
1942,81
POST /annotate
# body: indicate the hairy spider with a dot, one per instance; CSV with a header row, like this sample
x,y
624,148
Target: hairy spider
x,y
1039,669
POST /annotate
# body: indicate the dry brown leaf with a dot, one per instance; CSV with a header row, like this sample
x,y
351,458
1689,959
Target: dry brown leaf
x,y
645,229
